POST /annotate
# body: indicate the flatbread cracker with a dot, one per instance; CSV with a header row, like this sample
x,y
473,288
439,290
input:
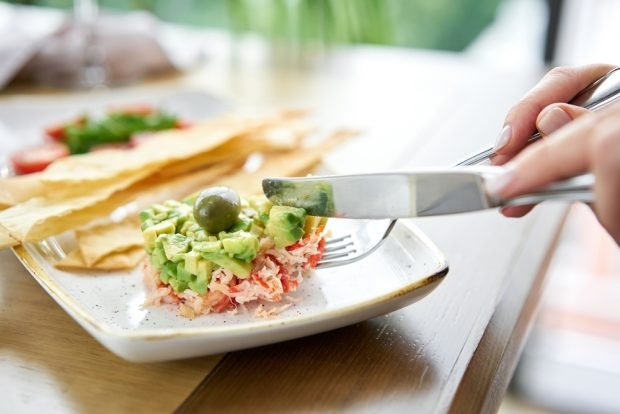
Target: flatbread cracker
x,y
39,218
99,241
283,164
115,261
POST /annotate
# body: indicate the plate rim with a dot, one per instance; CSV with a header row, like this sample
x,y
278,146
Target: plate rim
x,y
82,316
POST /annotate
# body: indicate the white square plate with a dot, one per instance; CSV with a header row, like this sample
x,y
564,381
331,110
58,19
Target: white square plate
x,y
109,305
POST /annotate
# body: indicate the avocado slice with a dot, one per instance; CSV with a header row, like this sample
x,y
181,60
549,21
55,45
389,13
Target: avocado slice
x,y
158,257
285,225
240,245
151,233
239,268
200,281
208,246
168,272
191,262
175,246
316,197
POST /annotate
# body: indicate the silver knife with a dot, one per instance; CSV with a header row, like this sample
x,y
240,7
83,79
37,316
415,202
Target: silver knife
x,y
411,194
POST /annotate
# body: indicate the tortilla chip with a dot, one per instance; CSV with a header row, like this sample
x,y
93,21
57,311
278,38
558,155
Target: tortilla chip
x,y
165,148
290,163
116,169
14,190
115,261
40,218
102,240
6,240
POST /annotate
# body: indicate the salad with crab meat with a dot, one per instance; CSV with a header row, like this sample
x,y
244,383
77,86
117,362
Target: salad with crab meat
x,y
215,251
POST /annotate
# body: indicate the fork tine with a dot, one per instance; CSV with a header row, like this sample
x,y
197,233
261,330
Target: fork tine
x,y
343,250
333,248
336,255
337,239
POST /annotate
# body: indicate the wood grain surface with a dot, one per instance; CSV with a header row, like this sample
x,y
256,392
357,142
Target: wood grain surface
x,y
416,357
50,364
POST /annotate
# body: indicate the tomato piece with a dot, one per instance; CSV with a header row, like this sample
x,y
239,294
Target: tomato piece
x,y
33,159
316,258
57,131
295,246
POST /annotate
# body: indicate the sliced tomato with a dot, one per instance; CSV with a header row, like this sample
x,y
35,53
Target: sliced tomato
x,y
57,131
34,159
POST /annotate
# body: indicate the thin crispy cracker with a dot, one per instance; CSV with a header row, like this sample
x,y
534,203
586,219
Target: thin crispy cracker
x,y
115,261
37,219
283,164
116,169
99,241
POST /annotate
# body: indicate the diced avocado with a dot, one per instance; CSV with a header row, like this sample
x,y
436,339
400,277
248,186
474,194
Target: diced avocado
x,y
199,286
165,227
205,268
175,246
241,245
183,276
158,257
239,268
175,284
200,282
243,223
191,262
262,207
285,225
316,197
257,229
150,235
208,246
168,272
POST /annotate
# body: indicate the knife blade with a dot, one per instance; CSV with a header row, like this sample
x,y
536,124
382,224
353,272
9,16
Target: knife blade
x,y
386,195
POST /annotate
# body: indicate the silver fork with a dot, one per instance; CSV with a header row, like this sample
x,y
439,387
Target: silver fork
x,y
368,237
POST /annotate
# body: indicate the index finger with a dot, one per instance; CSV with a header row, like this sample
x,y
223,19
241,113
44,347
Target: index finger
x,y
561,84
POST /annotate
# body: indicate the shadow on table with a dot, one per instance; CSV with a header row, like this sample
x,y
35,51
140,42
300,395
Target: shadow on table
x,y
362,366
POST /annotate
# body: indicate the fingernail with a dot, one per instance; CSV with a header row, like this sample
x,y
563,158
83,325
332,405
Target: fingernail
x,y
553,120
494,185
504,137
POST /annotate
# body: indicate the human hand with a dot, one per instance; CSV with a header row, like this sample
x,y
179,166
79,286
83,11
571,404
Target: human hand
x,y
590,143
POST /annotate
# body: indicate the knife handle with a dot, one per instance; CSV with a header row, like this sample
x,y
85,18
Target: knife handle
x,y
600,93
578,188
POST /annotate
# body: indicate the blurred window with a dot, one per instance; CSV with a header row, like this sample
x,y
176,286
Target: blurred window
x,y
432,24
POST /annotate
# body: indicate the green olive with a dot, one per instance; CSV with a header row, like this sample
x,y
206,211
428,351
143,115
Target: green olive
x,y
217,209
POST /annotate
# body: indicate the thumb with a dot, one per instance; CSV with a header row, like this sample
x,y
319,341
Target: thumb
x,y
555,116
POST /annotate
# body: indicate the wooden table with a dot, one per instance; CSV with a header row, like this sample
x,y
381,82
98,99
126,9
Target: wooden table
x,y
452,352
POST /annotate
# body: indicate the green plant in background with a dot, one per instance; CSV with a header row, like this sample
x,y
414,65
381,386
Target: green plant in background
x,y
434,24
